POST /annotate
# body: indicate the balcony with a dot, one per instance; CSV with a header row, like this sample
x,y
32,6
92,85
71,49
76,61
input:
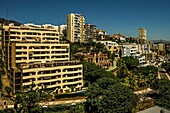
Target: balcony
x,y
52,64
48,81
72,83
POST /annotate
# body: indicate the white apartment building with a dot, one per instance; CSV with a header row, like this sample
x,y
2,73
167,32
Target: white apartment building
x,y
142,60
36,55
75,27
50,26
31,25
59,28
108,43
128,49
113,47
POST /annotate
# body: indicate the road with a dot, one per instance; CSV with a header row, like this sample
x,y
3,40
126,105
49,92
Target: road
x,y
58,102
62,102
162,74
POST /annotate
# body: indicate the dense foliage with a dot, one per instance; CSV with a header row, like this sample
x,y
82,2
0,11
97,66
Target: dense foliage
x,y
27,100
145,76
145,104
126,64
106,95
131,62
89,47
163,86
166,66
133,76
141,78
70,95
92,72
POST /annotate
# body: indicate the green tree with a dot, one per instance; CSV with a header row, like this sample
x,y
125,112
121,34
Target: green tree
x,y
92,72
146,75
64,32
77,109
166,66
125,65
100,45
122,69
164,92
74,47
27,100
131,62
131,82
106,95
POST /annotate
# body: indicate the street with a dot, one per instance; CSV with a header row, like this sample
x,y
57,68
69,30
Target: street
x,y
162,74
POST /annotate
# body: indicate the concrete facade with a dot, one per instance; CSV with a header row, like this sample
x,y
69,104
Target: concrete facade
x,y
36,55
75,27
142,33
113,47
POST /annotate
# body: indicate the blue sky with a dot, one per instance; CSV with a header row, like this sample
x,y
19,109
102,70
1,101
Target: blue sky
x,y
113,16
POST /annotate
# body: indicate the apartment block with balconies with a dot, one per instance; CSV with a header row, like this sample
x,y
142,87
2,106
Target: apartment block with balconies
x,y
75,27
35,55
128,49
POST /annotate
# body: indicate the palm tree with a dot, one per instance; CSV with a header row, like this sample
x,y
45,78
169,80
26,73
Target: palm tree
x,y
122,69
133,82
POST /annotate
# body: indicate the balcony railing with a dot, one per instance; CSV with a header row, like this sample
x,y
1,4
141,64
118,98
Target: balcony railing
x,y
48,64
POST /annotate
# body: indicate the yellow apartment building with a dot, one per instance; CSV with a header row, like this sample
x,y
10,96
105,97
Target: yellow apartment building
x,y
35,55
75,27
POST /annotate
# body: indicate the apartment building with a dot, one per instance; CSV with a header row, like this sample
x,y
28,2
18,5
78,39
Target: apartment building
x,y
59,28
113,47
35,55
161,49
167,48
128,49
75,27
152,46
90,32
161,46
142,36
145,49
117,37
101,34
142,33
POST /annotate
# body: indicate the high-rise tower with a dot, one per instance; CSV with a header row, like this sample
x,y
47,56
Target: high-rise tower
x,y
75,27
142,33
